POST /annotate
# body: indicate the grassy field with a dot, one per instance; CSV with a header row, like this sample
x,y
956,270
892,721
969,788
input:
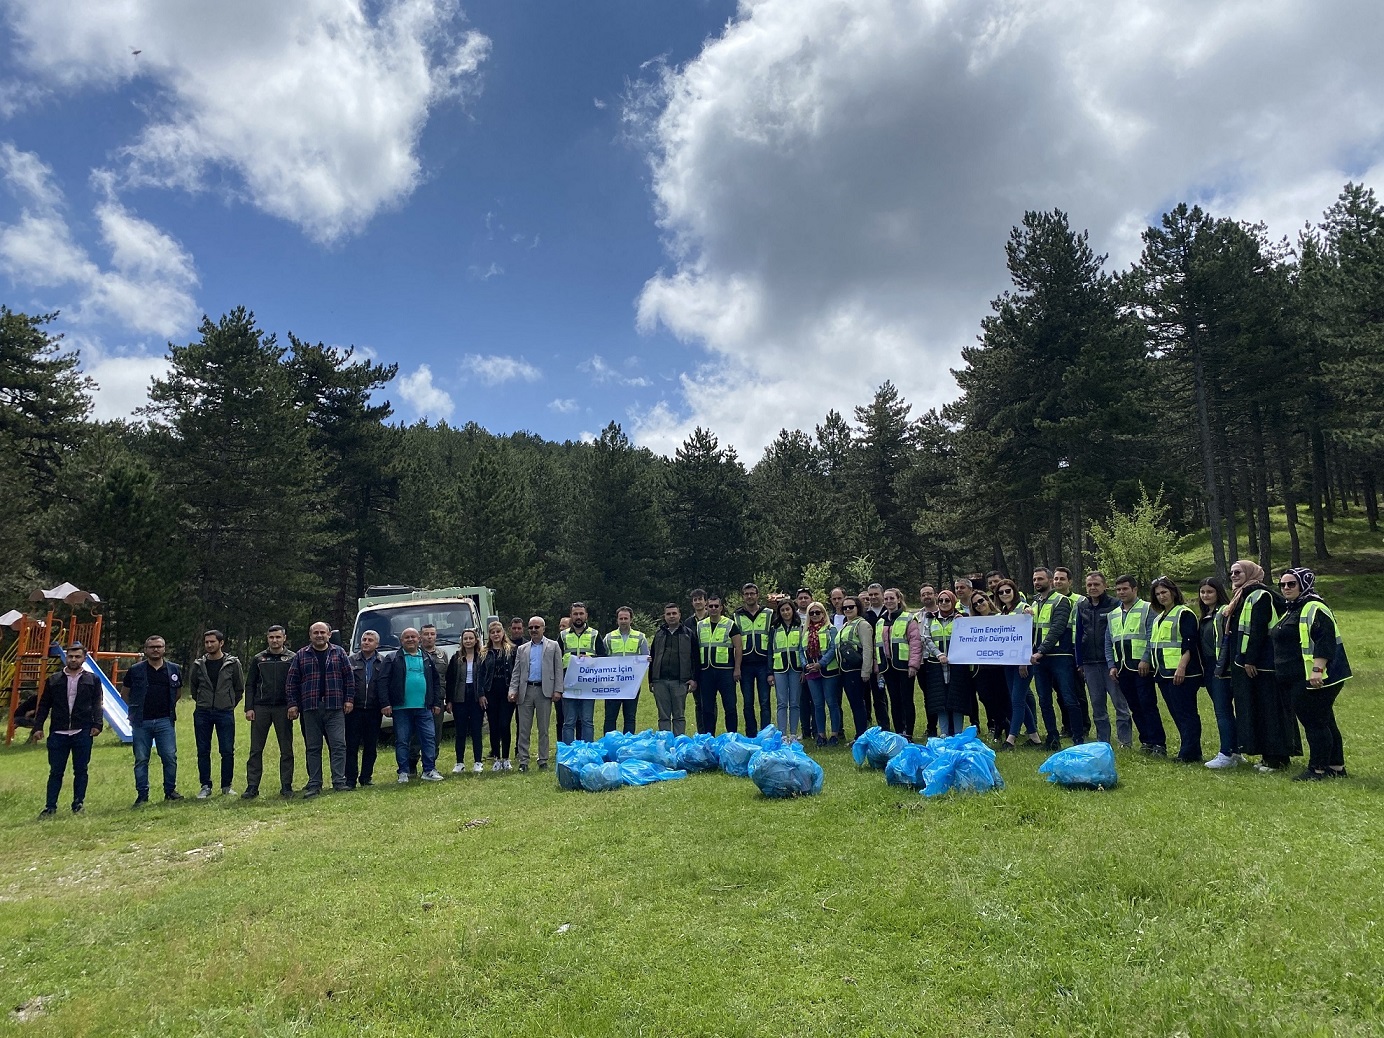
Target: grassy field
x,y
1184,902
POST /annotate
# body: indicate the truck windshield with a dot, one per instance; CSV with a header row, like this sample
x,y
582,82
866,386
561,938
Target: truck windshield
x,y
388,621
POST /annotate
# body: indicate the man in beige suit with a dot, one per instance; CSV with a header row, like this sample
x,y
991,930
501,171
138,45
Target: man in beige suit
x,y
533,683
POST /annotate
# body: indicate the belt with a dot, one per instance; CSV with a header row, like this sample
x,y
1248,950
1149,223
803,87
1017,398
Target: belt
x,y
535,684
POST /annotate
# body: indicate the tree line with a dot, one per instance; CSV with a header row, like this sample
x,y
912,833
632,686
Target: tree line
x,y
1223,373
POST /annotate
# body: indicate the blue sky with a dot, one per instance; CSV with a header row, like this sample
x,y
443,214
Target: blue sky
x,y
668,214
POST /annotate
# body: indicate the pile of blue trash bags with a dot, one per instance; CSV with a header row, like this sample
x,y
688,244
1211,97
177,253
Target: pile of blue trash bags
x,y
1089,765
961,762
619,759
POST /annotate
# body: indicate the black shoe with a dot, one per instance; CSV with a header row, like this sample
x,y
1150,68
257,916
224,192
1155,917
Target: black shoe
x,y
172,794
367,782
140,800
542,765
835,740
1331,773
1002,747
286,792
1308,775
78,808
250,793
820,742
1054,742
1158,751
523,767
47,812
309,794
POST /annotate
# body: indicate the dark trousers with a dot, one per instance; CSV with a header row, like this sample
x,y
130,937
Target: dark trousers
x,y
712,683
805,712
60,748
853,685
613,709
466,724
1315,708
267,717
754,696
1182,705
902,708
499,715
1059,673
222,722
362,745
330,725
1143,707
879,692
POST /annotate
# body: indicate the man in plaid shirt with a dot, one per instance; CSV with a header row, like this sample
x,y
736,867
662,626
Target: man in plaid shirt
x,y
321,689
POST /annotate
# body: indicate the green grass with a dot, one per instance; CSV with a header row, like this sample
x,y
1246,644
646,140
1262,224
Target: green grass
x,y
1351,545
1182,902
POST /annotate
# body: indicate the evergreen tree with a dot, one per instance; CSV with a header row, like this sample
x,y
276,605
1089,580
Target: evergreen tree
x,y
708,494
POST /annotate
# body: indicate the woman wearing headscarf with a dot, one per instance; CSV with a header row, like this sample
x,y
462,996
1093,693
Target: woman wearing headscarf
x,y
1176,646
1264,721
1311,669
947,687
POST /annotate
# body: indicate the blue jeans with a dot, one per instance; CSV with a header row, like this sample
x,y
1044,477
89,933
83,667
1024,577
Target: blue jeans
x,y
1021,713
148,734
788,690
1059,672
825,689
60,747
951,722
204,722
1223,703
407,723
754,679
578,720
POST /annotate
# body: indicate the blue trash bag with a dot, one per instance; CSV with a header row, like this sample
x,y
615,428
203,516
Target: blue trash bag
x,y
666,738
1090,765
571,758
905,768
644,773
875,747
769,738
734,751
610,744
787,772
645,747
580,751
695,753
962,762
597,778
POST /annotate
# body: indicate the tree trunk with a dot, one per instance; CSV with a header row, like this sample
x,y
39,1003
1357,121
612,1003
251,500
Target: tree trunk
x,y
1055,538
997,560
1341,486
1261,502
1285,470
1077,564
1208,464
1232,532
1319,492
1371,500
1250,485
1025,552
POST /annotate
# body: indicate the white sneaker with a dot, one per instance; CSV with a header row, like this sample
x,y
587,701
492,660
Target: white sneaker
x,y
1223,760
497,765
204,793
478,767
509,764
432,776
227,791
1265,769
403,778
459,768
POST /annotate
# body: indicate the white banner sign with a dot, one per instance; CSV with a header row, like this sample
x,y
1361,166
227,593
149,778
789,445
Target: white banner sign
x,y
992,639
604,677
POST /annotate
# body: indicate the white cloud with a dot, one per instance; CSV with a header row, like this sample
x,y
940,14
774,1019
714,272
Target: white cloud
x,y
426,399
836,182
316,105
122,376
486,273
601,372
493,370
148,285
567,406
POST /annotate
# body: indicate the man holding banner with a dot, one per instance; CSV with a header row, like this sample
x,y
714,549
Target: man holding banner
x,y
624,641
612,678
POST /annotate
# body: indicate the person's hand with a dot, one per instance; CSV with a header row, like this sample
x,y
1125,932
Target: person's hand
x,y
735,675
249,715
437,711
1180,675
1036,658
1316,678
96,731
771,679
1144,668
557,694
1251,671
388,711
1023,672
691,686
912,673
36,735
482,702
941,657
513,697
349,706
1114,673
293,713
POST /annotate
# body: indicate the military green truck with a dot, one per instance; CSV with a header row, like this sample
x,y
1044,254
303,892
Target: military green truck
x,y
390,609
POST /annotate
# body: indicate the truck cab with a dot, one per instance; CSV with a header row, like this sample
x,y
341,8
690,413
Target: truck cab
x,y
390,609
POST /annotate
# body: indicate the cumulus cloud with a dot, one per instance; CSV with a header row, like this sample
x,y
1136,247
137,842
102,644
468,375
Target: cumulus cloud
x,y
122,376
316,106
603,373
563,406
835,182
492,370
148,284
426,399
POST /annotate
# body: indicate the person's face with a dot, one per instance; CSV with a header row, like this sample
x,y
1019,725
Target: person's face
x,y
713,608
1063,582
275,640
153,649
624,619
564,623
850,610
369,642
409,640
1237,576
751,597
1290,587
698,604
672,616
211,645
786,610
927,594
1126,593
1040,581
516,630
469,640
838,597
495,631
75,659
876,597
1095,587
1207,594
980,605
891,601
428,637
1006,596
536,628
946,602
320,635
1164,596
816,615
579,617
959,587
804,600
991,583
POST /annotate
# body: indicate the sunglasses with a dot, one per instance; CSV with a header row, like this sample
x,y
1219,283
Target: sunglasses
x,y
1287,583
848,606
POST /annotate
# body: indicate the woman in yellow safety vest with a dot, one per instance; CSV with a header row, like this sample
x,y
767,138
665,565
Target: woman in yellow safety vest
x,y
947,689
786,666
1264,719
823,675
1176,649
855,652
1310,666
1022,710
991,684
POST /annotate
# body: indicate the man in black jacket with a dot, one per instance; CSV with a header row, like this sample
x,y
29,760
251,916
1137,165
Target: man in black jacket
x,y
673,670
1092,613
363,722
266,706
72,697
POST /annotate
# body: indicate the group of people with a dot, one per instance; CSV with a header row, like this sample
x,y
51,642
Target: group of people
x,y
1269,657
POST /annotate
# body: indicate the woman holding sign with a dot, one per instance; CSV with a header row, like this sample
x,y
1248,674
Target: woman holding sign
x,y
1021,707
947,688
1176,645
992,687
